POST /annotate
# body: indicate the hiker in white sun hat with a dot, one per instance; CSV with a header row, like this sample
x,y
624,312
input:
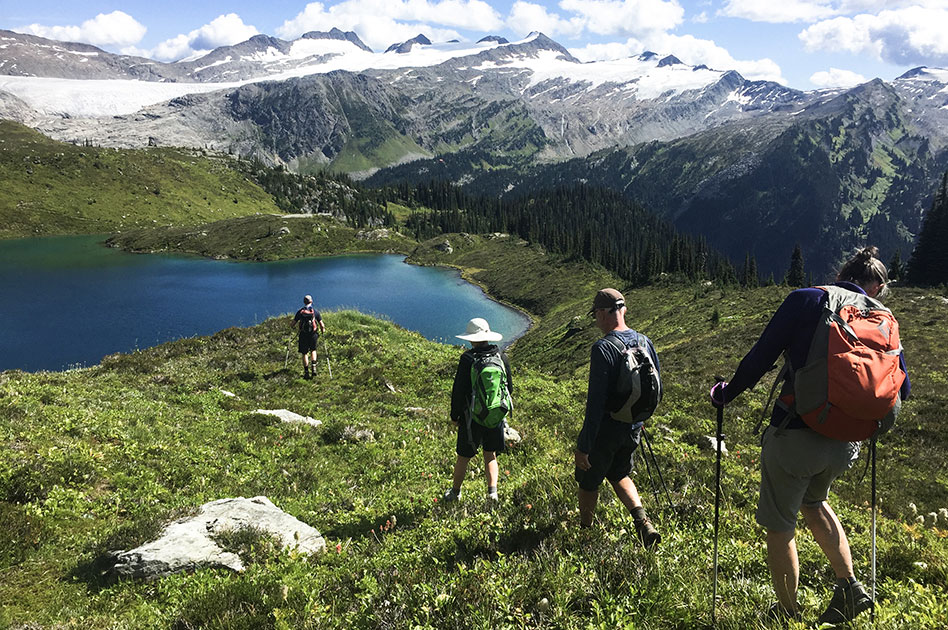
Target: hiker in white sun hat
x,y
478,330
480,402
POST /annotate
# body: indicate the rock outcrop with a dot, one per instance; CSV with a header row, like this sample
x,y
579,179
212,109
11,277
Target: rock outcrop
x,y
189,544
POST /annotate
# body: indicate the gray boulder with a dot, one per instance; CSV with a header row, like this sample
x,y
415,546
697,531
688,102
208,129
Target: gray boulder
x,y
189,544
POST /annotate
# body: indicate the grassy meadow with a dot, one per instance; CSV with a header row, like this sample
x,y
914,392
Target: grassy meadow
x,y
97,459
54,187
263,237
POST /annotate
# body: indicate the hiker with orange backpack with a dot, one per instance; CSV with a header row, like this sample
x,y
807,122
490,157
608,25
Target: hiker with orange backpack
x,y
843,381
310,324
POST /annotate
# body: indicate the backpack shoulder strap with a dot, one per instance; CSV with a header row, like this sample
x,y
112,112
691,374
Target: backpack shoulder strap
x,y
617,343
773,389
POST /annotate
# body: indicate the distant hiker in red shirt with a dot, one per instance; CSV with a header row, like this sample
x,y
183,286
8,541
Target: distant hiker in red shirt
x,y
309,323
799,462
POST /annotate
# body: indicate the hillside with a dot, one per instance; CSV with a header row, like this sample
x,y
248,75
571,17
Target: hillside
x,y
59,188
263,237
98,458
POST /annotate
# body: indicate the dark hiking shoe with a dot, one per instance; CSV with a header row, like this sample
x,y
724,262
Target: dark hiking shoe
x,y
648,534
848,601
450,496
307,375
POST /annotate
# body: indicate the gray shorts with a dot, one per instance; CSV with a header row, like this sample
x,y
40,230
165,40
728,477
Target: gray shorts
x,y
797,467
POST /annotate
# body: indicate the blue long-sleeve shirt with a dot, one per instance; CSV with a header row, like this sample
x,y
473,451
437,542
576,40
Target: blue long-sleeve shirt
x,y
790,329
603,371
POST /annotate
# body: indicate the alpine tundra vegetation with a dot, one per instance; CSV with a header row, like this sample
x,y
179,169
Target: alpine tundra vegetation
x,y
542,179
101,458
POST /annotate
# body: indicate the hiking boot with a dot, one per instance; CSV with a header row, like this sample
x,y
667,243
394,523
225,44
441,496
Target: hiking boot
x,y
307,375
450,495
848,601
648,534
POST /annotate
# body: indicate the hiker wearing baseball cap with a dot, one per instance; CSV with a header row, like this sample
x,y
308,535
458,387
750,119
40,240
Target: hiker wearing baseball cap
x,y
480,402
606,446
309,323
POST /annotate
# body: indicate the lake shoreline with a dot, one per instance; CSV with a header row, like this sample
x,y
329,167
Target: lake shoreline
x,y
119,303
463,272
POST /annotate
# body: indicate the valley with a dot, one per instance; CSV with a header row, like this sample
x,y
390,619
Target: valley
x,y
541,179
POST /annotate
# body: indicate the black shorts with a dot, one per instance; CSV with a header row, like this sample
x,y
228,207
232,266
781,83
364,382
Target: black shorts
x,y
307,342
612,458
480,436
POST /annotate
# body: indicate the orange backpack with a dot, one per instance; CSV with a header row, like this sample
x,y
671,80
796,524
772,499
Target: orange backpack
x,y
849,387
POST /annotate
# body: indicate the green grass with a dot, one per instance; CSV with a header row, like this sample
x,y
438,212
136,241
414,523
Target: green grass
x,y
52,187
97,459
263,238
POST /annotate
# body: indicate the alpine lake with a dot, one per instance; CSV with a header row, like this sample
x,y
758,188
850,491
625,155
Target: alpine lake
x,y
69,301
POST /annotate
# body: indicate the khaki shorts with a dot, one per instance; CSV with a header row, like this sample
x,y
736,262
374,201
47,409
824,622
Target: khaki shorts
x,y
797,467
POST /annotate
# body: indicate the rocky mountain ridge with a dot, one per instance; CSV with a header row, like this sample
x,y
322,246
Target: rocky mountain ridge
x,y
740,161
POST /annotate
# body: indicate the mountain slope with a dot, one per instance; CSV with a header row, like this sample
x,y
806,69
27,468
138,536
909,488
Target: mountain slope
x,y
100,458
850,170
56,188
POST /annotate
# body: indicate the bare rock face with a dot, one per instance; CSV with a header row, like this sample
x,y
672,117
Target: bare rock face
x,y
189,544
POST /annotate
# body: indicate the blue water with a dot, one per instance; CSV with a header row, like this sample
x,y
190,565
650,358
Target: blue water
x,y
67,301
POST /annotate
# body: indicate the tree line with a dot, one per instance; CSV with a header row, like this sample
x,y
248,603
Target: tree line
x,y
319,193
590,223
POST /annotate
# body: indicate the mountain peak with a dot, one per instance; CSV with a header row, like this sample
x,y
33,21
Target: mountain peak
x,y
537,41
406,46
339,35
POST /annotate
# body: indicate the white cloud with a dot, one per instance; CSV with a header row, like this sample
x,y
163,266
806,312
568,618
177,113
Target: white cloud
x,y
626,17
380,23
782,11
814,10
224,30
689,49
834,77
910,36
527,16
106,29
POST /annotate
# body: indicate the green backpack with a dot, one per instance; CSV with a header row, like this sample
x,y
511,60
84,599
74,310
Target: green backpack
x,y
490,398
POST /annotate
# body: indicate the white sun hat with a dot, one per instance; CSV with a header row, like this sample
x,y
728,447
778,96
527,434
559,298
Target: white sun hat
x,y
479,330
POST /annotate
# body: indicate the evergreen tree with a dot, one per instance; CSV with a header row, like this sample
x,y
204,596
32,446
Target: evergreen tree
x,y
929,262
796,275
749,277
896,267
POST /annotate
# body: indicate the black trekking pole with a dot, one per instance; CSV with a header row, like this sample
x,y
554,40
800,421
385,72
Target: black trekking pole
x,y
286,359
872,456
326,348
648,469
661,478
717,505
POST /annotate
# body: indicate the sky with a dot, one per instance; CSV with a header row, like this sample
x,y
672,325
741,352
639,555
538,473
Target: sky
x,y
805,44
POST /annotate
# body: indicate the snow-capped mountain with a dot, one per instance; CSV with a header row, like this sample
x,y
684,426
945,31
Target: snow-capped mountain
x,y
580,107
704,147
